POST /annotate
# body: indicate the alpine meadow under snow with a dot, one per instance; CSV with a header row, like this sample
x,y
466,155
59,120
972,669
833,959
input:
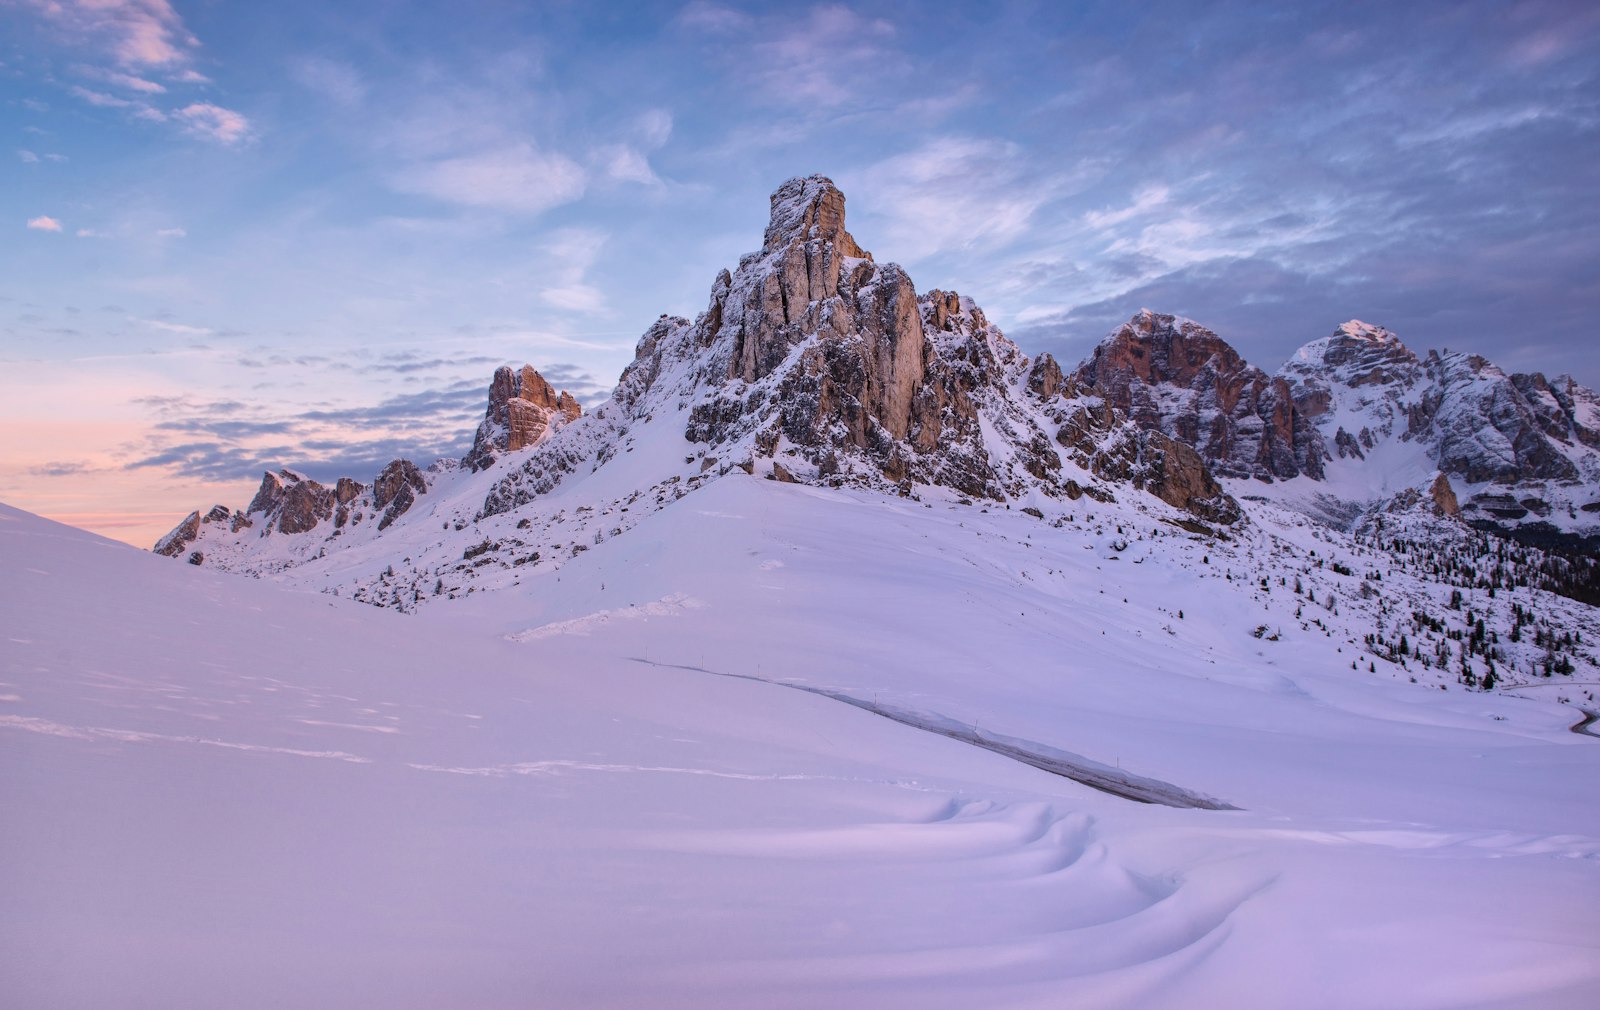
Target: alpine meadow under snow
x,y
846,656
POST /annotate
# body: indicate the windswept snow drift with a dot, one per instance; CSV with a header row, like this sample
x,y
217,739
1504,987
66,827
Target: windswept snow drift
x,y
219,792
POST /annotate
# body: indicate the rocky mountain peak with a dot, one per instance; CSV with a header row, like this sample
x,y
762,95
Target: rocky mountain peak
x,y
524,409
817,364
1172,375
809,209
1355,329
1356,354
1155,347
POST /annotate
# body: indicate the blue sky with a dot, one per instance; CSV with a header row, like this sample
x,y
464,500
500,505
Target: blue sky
x,y
243,235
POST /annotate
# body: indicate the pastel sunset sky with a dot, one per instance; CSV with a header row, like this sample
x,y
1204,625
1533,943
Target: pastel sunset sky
x,y
244,235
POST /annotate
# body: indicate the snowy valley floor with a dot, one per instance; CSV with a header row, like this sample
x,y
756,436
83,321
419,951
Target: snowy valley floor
x,y
219,792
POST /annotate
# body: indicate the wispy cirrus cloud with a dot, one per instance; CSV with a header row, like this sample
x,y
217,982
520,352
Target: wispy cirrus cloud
x,y
65,468
117,78
137,33
814,59
516,177
957,193
213,122
333,79
142,38
571,253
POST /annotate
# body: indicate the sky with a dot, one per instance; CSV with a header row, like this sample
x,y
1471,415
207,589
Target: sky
x,y
242,236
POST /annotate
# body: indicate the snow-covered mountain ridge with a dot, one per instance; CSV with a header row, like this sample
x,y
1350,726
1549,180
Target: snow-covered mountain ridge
x,y
814,364
1356,418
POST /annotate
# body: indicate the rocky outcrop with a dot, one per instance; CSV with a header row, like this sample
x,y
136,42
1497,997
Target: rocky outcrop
x,y
1437,500
1115,448
523,411
177,542
1443,497
1174,376
181,536
396,490
291,502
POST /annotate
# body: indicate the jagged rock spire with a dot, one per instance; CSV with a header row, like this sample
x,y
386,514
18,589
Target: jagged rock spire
x,y
809,209
524,409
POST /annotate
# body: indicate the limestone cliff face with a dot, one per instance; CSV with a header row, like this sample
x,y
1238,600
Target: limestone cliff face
x,y
396,490
523,411
1173,375
812,284
1118,449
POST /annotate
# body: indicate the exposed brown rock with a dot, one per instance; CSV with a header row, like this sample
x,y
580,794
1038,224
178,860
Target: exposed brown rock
x,y
1444,498
1114,449
1175,376
180,537
396,489
292,502
523,410
1045,378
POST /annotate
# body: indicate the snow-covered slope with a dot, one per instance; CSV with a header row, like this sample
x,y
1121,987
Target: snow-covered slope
x,y
763,750
845,656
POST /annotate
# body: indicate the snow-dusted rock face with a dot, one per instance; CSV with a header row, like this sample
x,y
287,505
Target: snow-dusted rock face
x,y
524,410
1356,422
177,542
1357,386
288,504
1173,375
1522,452
813,362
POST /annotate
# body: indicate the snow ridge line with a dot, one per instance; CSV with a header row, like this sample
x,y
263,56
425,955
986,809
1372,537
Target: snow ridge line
x,y
1106,779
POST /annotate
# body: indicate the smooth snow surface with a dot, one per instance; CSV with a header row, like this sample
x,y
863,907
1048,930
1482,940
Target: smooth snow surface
x,y
219,792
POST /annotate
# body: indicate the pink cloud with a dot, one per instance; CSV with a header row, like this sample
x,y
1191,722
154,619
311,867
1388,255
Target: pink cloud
x,y
44,223
214,122
137,32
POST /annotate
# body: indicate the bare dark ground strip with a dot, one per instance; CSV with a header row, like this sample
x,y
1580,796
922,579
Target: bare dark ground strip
x,y
1106,779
